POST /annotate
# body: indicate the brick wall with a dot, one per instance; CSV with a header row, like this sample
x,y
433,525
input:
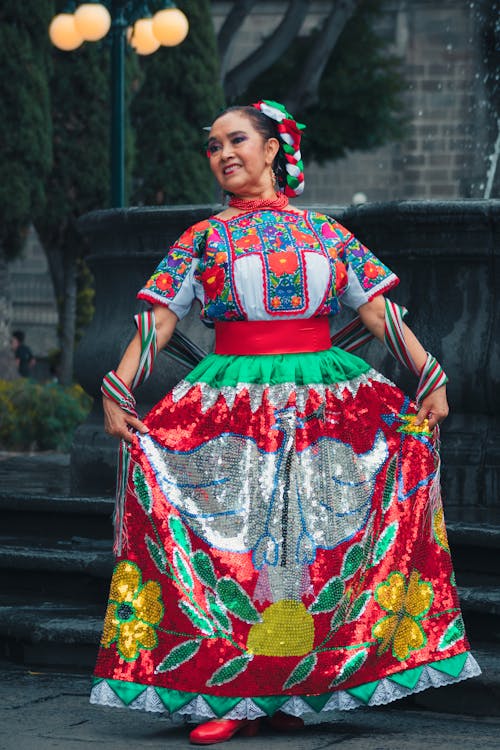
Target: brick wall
x,y
444,153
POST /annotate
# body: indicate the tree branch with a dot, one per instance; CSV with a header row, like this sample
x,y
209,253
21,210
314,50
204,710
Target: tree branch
x,y
305,91
273,47
229,29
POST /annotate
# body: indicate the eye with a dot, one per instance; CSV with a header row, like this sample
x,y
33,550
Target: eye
x,y
238,138
212,148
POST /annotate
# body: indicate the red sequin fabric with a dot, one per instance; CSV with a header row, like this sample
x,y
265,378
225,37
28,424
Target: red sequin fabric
x,y
277,549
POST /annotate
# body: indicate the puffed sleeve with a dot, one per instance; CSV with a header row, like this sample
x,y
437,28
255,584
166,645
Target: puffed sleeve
x,y
367,275
172,284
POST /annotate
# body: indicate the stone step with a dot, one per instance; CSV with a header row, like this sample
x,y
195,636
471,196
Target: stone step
x,y
78,569
55,517
66,557
55,634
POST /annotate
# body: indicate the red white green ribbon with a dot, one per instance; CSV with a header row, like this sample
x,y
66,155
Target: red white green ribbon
x,y
114,388
432,377
355,334
145,323
352,336
394,335
290,134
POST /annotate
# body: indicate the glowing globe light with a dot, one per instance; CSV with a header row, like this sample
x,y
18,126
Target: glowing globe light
x,y
170,26
143,40
92,21
63,32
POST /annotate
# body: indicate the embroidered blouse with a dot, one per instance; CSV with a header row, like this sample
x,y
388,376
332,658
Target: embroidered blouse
x,y
267,264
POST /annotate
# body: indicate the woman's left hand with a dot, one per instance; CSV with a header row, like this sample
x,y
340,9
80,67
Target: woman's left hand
x,y
434,408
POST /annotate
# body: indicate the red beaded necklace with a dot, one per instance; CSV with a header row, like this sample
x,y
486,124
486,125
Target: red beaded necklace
x,y
280,200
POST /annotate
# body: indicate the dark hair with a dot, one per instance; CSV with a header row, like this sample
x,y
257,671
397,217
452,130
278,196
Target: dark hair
x,y
19,335
268,129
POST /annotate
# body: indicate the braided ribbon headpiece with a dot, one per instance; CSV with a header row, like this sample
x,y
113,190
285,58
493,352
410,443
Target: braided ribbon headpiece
x,y
290,133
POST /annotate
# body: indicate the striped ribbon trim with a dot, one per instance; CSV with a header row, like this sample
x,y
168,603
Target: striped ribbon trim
x,y
354,335
145,323
432,377
394,335
115,389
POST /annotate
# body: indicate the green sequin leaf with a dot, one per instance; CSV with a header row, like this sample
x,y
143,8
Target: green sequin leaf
x,y
197,618
385,542
236,600
204,568
157,554
182,570
230,670
350,666
218,613
359,606
301,671
178,655
142,490
352,561
390,482
453,633
340,615
179,533
329,596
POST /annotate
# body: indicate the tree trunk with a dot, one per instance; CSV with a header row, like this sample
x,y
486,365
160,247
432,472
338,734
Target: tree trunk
x,y
8,369
68,320
239,78
229,30
305,91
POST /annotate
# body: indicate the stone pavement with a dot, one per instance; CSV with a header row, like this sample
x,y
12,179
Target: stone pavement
x,y
47,711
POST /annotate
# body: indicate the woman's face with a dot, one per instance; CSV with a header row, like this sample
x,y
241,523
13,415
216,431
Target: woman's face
x,y
240,158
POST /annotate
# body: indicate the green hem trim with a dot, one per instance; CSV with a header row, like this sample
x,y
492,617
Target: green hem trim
x,y
408,678
451,666
173,700
326,367
364,692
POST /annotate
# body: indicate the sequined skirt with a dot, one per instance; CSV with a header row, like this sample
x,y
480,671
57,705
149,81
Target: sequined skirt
x,y
281,549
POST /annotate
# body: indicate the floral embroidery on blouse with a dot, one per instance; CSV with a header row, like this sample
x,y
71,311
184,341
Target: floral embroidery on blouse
x,y
292,256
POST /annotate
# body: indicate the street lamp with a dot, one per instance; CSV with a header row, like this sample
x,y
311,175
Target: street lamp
x,y
126,20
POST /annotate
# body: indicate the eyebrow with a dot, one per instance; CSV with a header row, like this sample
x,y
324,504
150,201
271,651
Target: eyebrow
x,y
230,135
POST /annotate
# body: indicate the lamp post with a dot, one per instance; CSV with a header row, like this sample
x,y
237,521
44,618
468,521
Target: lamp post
x,y
129,21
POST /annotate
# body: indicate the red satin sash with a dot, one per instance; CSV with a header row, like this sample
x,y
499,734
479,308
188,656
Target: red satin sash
x,y
272,336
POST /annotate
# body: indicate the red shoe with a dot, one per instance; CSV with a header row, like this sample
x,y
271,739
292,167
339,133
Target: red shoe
x,y
221,730
285,722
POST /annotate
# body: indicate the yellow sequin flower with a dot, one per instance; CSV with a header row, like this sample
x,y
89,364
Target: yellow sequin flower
x,y
134,610
406,605
409,427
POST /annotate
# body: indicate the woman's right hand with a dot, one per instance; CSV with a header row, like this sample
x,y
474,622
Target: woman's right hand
x,y
119,423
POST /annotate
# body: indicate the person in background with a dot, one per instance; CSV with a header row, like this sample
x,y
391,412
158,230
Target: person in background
x,y
25,360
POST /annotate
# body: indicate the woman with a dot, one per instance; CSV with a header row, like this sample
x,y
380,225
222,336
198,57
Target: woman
x,y
282,550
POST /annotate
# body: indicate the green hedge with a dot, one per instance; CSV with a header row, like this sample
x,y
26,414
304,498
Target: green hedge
x,y
36,416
